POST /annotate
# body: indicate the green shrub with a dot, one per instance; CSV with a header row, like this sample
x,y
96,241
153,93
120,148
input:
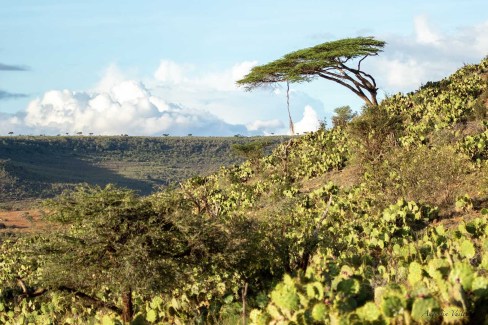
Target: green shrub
x,y
374,133
431,175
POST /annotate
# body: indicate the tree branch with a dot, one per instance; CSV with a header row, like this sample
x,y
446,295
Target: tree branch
x,y
358,92
244,294
322,218
364,84
22,285
359,63
370,84
40,291
92,300
192,198
26,293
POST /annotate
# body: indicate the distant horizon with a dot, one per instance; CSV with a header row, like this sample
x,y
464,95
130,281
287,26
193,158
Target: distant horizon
x,y
86,135
156,67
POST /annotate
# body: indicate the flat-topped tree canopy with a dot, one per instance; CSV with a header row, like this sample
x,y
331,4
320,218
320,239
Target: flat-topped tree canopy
x,y
331,61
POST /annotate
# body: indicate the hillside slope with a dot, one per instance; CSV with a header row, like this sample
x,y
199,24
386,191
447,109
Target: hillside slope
x,y
40,167
383,221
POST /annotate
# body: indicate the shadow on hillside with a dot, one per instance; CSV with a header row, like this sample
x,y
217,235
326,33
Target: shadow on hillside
x,y
47,176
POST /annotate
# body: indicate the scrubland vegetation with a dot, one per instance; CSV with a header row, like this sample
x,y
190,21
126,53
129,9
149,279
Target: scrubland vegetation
x,y
37,167
380,220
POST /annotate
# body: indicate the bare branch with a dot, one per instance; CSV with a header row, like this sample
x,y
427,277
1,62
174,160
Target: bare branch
x,y
366,84
359,63
358,92
92,300
22,286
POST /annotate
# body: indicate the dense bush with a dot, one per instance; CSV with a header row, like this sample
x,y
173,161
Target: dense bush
x,y
434,175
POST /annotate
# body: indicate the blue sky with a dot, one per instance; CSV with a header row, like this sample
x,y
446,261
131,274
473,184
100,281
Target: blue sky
x,y
152,67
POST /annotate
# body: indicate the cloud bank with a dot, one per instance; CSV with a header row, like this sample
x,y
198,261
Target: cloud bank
x,y
177,100
428,54
126,108
263,111
180,98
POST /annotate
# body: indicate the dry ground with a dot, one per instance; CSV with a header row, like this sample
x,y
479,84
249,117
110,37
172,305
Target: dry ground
x,y
21,221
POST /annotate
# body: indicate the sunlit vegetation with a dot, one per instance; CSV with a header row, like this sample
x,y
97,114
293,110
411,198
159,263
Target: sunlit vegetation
x,y
379,220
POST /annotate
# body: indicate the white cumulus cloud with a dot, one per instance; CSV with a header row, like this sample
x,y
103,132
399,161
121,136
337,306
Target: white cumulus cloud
x,y
178,100
310,121
127,107
428,54
424,32
268,126
170,72
217,93
402,74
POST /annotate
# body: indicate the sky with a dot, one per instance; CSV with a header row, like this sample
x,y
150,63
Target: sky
x,y
153,67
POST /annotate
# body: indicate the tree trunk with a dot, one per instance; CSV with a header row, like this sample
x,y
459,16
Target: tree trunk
x,y
292,127
127,307
244,294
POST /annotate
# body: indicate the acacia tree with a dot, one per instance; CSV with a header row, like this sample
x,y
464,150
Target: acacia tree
x,y
343,115
108,243
331,61
110,238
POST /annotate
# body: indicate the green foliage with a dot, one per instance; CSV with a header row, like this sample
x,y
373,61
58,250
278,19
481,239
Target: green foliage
x,y
307,63
374,133
435,175
252,151
476,146
440,284
343,115
287,235
41,167
106,235
464,203
326,60
314,154
439,105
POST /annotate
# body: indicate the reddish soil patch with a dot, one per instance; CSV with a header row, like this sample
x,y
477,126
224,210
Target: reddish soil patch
x,y
21,221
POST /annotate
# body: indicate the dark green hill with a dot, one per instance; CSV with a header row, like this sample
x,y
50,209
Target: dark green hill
x,y
39,167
